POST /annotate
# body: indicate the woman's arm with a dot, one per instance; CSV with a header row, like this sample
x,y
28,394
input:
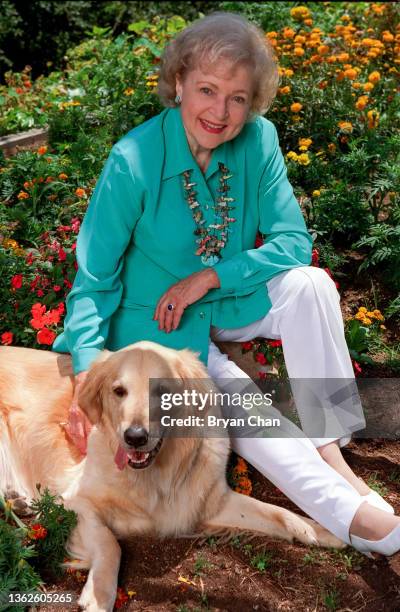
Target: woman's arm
x,y
106,231
287,243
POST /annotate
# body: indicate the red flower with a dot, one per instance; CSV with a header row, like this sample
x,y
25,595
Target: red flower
x,y
29,259
38,310
62,256
46,336
56,288
53,316
329,273
67,283
274,343
7,338
259,242
315,258
260,357
262,375
247,346
16,281
122,598
356,367
40,293
37,532
61,308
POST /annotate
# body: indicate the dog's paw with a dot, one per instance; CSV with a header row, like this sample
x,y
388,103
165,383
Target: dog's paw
x,y
89,601
19,503
309,532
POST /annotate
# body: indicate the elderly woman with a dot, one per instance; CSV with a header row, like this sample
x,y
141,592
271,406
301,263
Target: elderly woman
x,y
166,253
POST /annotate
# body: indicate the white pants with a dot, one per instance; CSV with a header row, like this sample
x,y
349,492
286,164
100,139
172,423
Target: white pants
x,y
306,316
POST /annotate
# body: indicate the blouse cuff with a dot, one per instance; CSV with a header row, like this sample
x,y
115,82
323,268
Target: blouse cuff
x,y
82,360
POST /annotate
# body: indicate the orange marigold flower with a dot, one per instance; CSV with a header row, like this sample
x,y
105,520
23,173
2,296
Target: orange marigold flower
x,y
296,107
361,102
368,86
374,77
63,176
373,119
241,466
22,195
346,126
80,192
323,49
42,150
350,73
298,51
37,532
387,36
49,179
288,33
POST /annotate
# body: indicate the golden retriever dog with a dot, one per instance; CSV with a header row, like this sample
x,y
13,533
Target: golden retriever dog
x,y
129,483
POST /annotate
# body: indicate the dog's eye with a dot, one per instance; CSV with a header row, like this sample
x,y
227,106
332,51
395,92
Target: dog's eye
x,y
119,391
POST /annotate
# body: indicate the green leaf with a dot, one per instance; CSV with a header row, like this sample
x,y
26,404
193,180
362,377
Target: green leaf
x,y
138,26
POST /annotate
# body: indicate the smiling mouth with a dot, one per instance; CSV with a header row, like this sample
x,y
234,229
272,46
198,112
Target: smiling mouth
x,y
138,460
213,128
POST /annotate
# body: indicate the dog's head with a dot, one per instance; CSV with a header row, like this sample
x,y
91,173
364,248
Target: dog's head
x,y
116,395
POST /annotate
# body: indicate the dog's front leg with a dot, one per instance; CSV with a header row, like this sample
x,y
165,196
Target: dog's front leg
x,y
246,514
94,544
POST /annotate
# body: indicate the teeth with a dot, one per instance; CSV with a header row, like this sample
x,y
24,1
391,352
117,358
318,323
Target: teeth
x,y
212,125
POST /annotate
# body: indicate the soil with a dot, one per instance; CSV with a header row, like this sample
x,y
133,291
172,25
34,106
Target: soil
x,y
220,576
180,575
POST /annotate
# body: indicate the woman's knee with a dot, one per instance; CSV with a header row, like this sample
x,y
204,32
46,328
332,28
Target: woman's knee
x,y
311,281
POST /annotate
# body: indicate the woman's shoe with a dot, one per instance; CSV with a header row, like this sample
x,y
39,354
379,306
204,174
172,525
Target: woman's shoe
x,y
374,499
387,546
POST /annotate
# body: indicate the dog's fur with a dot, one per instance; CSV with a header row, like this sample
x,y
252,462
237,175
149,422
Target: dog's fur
x,y
183,491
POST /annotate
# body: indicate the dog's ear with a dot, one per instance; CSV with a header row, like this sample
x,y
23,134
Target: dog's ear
x,y
188,365
90,395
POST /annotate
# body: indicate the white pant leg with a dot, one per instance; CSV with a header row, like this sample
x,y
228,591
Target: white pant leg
x,y
294,465
306,315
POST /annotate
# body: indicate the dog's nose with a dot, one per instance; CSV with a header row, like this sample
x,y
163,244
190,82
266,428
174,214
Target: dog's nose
x,y
136,436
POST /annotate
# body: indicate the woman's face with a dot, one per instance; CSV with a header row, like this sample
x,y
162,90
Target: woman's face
x,y
215,104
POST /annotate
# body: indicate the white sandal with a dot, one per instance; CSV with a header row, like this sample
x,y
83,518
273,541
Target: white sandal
x,y
387,546
374,499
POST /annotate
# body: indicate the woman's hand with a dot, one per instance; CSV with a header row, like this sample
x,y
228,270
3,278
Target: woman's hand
x,y
78,426
181,295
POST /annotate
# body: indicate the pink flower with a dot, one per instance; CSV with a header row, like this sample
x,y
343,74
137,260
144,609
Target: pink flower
x,y
356,367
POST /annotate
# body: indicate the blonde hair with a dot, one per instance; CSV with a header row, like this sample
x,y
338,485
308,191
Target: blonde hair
x,y
221,35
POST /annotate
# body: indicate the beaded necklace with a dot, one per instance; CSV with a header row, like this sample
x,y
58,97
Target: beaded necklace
x,y
213,238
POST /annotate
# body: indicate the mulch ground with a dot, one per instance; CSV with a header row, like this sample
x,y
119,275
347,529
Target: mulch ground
x,y
181,575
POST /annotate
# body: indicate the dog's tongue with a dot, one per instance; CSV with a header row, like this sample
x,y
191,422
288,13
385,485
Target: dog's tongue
x,y
121,458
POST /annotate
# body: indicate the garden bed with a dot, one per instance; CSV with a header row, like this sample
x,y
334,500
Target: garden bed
x,y
182,575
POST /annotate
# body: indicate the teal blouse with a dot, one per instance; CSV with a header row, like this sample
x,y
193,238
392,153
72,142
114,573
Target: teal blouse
x,y
137,239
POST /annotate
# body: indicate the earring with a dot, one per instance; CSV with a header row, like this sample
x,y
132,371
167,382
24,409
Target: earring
x,y
178,99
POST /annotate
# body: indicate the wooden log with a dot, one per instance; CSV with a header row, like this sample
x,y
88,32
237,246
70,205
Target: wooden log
x,y
12,143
